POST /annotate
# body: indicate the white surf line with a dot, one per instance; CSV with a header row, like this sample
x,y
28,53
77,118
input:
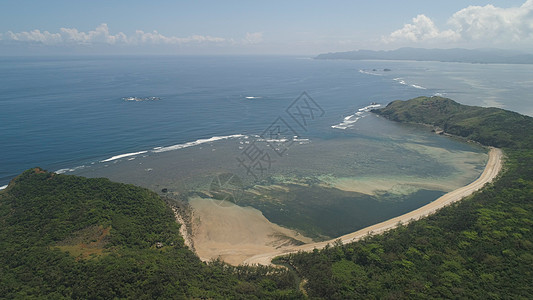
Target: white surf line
x,y
493,167
197,142
122,156
155,150
418,87
176,147
350,120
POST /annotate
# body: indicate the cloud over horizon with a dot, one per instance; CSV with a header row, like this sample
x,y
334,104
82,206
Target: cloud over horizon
x,y
101,35
253,38
469,27
483,24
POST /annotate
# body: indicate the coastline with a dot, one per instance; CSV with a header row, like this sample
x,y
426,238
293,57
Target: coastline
x,y
233,233
492,169
187,239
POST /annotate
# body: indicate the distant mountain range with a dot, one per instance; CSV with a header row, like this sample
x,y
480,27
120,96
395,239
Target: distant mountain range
x,y
487,56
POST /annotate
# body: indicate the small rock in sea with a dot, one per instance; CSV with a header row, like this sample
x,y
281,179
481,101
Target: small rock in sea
x,y
164,190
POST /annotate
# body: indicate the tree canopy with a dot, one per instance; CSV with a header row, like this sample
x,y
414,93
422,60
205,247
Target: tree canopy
x,y
71,237
480,247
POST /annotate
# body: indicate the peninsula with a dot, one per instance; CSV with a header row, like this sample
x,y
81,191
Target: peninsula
x,y
65,236
486,56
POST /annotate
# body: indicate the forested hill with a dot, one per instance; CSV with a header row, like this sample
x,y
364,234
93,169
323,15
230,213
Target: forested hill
x,y
479,248
71,237
488,126
489,56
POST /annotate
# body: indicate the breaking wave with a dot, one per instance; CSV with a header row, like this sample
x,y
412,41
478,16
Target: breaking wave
x,y
350,120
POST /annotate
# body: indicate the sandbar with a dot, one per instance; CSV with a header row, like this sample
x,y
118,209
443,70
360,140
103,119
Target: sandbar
x,y
492,169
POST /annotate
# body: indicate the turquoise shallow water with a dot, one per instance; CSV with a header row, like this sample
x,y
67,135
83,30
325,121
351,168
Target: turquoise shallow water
x,y
215,115
321,187
60,113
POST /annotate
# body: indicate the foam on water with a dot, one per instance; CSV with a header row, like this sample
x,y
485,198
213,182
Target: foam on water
x,y
400,81
123,155
151,98
213,99
369,107
350,120
156,150
3,187
418,87
197,142
403,82
65,170
369,73
271,140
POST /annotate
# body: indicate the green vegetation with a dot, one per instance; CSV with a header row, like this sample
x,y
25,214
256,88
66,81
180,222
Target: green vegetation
x,y
485,56
488,126
479,248
71,237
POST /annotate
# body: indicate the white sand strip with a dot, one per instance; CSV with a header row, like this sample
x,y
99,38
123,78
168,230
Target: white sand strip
x,y
493,167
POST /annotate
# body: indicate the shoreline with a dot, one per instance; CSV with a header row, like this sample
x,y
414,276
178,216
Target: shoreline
x,y
492,169
187,239
233,233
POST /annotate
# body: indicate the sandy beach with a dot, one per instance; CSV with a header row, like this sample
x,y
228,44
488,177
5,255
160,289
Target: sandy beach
x,y
493,167
233,233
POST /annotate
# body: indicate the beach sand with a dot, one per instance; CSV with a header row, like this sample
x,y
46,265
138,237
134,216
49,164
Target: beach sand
x,y
464,162
493,167
232,233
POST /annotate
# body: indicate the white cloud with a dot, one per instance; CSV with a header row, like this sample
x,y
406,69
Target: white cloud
x,y
101,35
253,38
421,29
155,37
489,24
36,35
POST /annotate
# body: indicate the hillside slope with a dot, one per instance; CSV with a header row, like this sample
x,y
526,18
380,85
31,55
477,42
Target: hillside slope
x,y
488,126
479,248
494,56
71,237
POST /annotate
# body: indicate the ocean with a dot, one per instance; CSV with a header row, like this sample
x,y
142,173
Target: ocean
x,y
62,113
174,122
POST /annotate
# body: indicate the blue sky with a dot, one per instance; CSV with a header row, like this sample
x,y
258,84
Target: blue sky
x,y
259,27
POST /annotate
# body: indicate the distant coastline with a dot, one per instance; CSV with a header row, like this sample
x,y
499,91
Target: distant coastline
x,y
481,56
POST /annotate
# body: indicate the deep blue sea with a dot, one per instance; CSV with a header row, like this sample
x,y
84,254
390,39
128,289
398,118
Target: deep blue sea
x,y
64,112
